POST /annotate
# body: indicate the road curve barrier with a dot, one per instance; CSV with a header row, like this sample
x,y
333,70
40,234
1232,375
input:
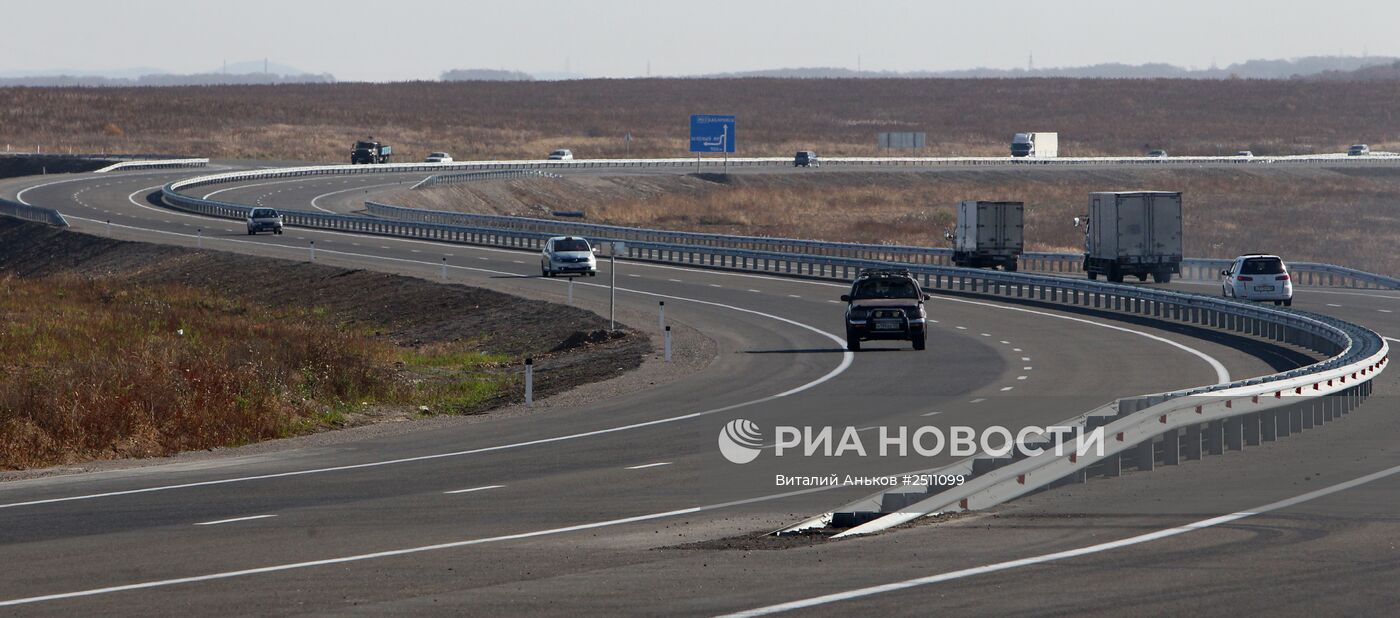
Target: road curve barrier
x,y
461,177
152,164
1199,269
1144,430
32,213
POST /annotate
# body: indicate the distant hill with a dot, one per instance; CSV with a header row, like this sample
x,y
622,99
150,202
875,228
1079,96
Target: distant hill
x,y
1372,73
484,75
1253,69
238,73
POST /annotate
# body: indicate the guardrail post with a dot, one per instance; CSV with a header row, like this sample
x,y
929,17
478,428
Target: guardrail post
x,y
1145,455
1268,426
1193,441
1171,447
1251,428
1215,437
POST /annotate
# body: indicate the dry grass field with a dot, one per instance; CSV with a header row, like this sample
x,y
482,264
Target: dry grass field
x,y
1344,217
478,120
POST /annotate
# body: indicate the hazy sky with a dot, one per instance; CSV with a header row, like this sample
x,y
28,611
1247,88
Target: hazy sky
x,y
386,40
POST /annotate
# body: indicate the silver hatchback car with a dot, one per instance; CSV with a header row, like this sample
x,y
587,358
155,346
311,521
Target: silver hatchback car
x,y
264,220
568,255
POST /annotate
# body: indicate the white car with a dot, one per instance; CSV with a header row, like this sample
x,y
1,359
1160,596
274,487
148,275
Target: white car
x,y
1258,277
438,157
1358,150
563,154
568,255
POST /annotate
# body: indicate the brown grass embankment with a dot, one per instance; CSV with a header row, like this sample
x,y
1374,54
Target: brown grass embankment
x,y
509,120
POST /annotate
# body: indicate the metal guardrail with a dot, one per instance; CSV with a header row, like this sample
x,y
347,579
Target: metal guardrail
x,y
1199,269
449,179
152,164
1305,330
1351,351
32,213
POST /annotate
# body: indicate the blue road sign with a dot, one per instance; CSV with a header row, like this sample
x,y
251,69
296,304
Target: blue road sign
x,y
711,133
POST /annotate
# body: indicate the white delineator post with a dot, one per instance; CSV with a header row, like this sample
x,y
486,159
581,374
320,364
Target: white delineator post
x,y
444,269
662,319
571,290
668,344
109,228
313,251
529,382
199,238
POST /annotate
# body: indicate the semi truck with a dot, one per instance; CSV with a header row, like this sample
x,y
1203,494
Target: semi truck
x,y
369,151
1135,233
1039,145
989,234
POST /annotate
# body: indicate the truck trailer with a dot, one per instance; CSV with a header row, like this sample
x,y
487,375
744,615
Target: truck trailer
x,y
1134,233
989,234
1038,145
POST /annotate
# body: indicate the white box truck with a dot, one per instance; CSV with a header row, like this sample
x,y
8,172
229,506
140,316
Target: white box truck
x,y
989,234
1038,145
1134,233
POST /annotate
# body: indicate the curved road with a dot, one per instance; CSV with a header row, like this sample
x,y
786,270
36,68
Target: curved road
x,y
559,510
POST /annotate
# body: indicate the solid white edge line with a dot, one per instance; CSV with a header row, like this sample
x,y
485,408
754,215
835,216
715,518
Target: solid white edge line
x,y
1062,555
846,358
1222,375
407,551
229,521
358,188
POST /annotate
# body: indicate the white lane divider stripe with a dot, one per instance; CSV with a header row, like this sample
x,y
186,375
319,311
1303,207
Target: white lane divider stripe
x,y
229,521
411,550
1062,555
650,465
467,491
1222,375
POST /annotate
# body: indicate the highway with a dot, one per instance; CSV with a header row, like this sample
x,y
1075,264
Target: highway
x,y
574,507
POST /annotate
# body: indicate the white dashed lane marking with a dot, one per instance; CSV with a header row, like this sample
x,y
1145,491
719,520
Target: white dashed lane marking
x,y
467,491
235,519
650,465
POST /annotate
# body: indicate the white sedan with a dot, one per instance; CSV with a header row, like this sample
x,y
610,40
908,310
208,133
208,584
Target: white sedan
x,y
438,157
563,154
1258,277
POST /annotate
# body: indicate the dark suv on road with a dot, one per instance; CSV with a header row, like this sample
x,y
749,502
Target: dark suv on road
x,y
885,304
805,158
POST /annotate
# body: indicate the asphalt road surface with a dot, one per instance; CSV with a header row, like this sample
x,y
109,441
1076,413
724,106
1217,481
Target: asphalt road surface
x,y
572,509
